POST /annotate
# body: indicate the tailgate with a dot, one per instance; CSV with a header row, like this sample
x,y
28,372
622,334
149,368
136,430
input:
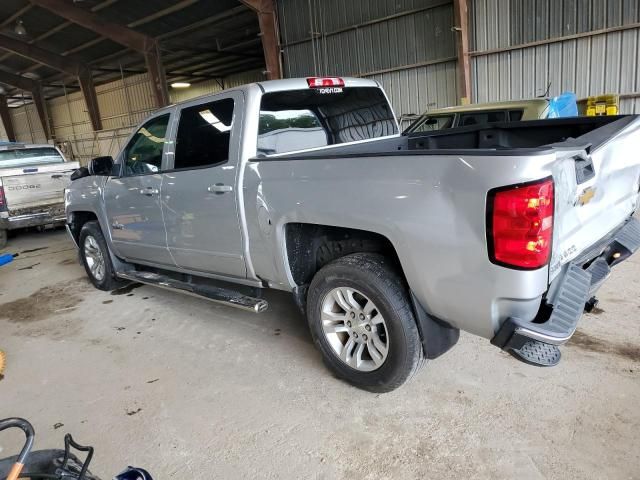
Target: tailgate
x,y
36,186
597,190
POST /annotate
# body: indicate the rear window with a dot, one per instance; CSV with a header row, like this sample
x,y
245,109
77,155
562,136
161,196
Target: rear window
x,y
302,119
25,157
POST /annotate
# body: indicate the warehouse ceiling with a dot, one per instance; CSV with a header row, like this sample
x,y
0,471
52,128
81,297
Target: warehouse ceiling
x,y
199,39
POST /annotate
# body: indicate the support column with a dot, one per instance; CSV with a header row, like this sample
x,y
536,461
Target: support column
x,y
85,78
41,107
268,20
5,116
157,74
461,14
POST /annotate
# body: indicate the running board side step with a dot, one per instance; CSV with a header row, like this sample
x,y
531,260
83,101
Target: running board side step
x,y
223,296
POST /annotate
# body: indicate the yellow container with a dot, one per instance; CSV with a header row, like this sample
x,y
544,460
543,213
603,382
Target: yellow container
x,y
599,105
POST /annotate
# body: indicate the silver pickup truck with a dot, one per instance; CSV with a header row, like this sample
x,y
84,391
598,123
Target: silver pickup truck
x,y
390,243
32,182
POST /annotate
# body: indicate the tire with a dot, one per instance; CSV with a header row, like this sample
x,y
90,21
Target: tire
x,y
369,278
3,238
93,247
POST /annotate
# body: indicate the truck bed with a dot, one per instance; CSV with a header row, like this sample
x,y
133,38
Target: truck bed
x,y
509,138
427,193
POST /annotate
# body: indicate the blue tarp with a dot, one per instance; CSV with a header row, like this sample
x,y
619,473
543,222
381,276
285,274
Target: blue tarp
x,y
564,105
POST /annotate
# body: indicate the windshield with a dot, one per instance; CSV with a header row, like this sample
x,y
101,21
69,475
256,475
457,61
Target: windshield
x,y
303,119
25,157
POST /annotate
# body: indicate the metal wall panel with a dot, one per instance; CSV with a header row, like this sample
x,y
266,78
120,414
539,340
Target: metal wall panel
x,y
26,124
506,65
412,91
364,49
407,45
503,23
298,18
213,86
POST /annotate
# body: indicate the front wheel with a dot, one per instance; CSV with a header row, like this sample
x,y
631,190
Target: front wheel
x,y
94,253
361,319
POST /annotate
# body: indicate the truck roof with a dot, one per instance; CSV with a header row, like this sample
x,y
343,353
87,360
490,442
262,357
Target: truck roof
x,y
534,103
301,84
269,86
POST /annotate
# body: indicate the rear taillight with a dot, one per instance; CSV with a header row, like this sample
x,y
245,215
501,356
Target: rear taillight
x,y
520,224
322,82
3,200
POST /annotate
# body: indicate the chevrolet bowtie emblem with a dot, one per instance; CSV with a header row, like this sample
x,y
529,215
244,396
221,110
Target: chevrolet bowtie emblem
x,y
586,196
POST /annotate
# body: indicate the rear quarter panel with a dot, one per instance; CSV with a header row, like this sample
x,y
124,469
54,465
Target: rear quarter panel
x,y
432,209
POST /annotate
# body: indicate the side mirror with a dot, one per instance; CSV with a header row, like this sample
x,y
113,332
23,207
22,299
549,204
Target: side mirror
x,y
102,166
80,173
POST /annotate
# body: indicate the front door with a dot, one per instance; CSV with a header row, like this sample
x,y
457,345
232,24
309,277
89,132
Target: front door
x,y
198,193
133,200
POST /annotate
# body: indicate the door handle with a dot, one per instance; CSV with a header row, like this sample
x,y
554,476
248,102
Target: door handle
x,y
219,188
149,191
57,175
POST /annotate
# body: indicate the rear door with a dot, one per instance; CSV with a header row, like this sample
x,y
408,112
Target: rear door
x,y
34,177
595,191
132,200
198,193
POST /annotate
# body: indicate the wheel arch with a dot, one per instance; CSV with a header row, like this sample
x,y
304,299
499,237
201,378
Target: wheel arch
x,y
309,247
77,219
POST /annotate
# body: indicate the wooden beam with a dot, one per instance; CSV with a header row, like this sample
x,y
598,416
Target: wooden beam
x,y
35,88
461,14
121,34
268,20
5,116
67,65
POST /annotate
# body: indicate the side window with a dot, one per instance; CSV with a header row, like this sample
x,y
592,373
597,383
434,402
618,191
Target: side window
x,y
204,134
143,154
481,118
515,115
435,122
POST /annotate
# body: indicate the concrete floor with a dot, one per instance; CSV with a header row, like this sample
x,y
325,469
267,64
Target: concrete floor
x,y
189,389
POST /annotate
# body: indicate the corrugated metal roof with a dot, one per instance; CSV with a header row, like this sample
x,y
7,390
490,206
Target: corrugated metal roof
x,y
209,30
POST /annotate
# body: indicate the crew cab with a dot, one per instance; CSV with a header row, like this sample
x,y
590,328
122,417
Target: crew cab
x,y
391,243
32,182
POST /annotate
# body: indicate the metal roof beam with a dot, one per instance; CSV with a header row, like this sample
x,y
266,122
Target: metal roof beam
x,y
121,34
64,64
35,87
59,27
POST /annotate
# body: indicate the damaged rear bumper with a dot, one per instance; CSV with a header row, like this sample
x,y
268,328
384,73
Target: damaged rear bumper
x,y
581,280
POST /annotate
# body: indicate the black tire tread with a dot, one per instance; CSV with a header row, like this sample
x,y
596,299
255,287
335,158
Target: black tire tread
x,y
385,275
110,281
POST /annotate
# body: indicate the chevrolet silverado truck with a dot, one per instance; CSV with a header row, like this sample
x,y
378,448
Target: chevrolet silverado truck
x,y
390,243
32,182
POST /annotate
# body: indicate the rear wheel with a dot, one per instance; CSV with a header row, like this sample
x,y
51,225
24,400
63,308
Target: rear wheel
x,y
95,257
361,319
